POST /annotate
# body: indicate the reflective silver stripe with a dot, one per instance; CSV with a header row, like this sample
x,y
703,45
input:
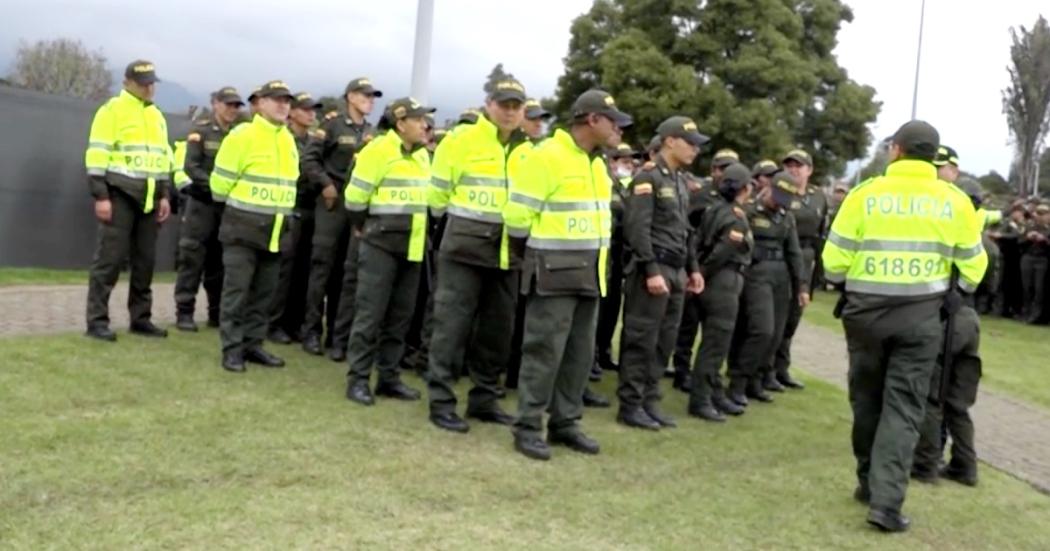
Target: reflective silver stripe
x,y
183,183
403,182
552,244
135,148
224,173
140,174
396,209
482,181
897,289
362,185
93,171
270,180
441,184
258,209
967,286
965,253
843,242
835,277
889,245
218,198
480,216
530,202
569,206
517,232
100,145
356,207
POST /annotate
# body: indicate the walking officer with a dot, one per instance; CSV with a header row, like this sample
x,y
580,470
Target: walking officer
x,y
771,282
200,253
255,176
129,169
327,163
1035,258
386,199
478,280
559,211
725,251
811,215
659,240
894,244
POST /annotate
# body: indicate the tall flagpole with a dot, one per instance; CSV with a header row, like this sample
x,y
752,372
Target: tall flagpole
x,y
421,59
918,62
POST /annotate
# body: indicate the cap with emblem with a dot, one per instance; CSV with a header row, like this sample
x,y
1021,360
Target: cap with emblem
x,y
654,144
303,100
735,178
724,158
784,189
765,167
468,116
533,110
799,156
507,90
255,94
600,102
364,86
142,72
227,95
407,107
918,139
1042,209
274,89
682,127
946,156
623,151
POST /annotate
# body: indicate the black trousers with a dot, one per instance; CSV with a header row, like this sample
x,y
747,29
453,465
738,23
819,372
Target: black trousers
x,y
650,326
289,299
130,238
328,254
247,292
199,257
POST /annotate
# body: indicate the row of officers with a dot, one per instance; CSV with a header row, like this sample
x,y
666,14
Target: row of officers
x,y
524,247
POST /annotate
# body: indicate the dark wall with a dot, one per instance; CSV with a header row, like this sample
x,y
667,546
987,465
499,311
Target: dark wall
x,y
46,214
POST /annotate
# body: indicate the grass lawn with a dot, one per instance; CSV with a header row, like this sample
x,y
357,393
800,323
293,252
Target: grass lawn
x,y
40,276
148,444
1015,355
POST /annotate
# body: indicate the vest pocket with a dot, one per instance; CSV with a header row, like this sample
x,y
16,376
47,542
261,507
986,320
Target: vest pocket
x,y
472,242
567,273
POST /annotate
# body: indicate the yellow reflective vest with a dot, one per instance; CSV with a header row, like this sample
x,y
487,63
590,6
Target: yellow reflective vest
x,y
181,179
560,202
255,175
989,217
899,235
471,174
128,149
388,191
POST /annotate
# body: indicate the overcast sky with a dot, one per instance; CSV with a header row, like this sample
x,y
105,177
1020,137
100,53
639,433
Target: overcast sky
x,y
318,45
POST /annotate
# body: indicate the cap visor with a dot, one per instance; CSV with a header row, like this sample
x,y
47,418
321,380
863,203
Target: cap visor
x,y
507,95
623,120
797,159
697,138
146,81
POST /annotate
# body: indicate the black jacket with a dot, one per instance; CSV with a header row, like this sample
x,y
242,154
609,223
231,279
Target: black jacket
x,y
656,220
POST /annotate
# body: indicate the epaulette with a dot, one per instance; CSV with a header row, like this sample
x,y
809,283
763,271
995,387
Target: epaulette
x,y
331,115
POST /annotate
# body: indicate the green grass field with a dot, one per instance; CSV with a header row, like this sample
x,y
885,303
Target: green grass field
x,y
40,276
1014,355
149,444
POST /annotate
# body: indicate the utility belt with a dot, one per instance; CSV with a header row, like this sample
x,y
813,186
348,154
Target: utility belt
x,y
762,254
668,258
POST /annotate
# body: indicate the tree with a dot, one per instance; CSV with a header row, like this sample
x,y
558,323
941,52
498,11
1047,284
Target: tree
x,y
762,84
497,74
994,183
1026,101
1044,171
62,66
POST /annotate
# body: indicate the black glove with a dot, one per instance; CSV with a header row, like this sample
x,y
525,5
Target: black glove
x,y
516,246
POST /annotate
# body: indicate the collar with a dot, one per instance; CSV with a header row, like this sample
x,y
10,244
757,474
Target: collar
x,y
350,121
128,96
910,168
399,144
261,122
489,128
564,138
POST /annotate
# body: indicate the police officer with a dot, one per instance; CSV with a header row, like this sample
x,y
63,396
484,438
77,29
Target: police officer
x,y
893,245
1035,257
478,275
200,253
386,199
255,176
811,214
286,311
535,117
1007,235
563,274
725,251
703,194
661,251
327,163
763,173
129,170
771,282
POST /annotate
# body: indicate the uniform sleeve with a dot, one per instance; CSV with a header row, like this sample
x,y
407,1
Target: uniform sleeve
x,y
227,166
312,162
194,164
100,144
638,221
727,242
793,256
528,193
366,176
441,176
843,239
970,257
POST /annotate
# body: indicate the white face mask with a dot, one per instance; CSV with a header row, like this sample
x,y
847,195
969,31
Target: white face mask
x,y
623,172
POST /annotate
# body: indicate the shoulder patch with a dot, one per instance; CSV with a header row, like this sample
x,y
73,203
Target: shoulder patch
x,y
317,133
642,189
739,212
761,222
331,115
736,236
193,137
795,205
666,193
